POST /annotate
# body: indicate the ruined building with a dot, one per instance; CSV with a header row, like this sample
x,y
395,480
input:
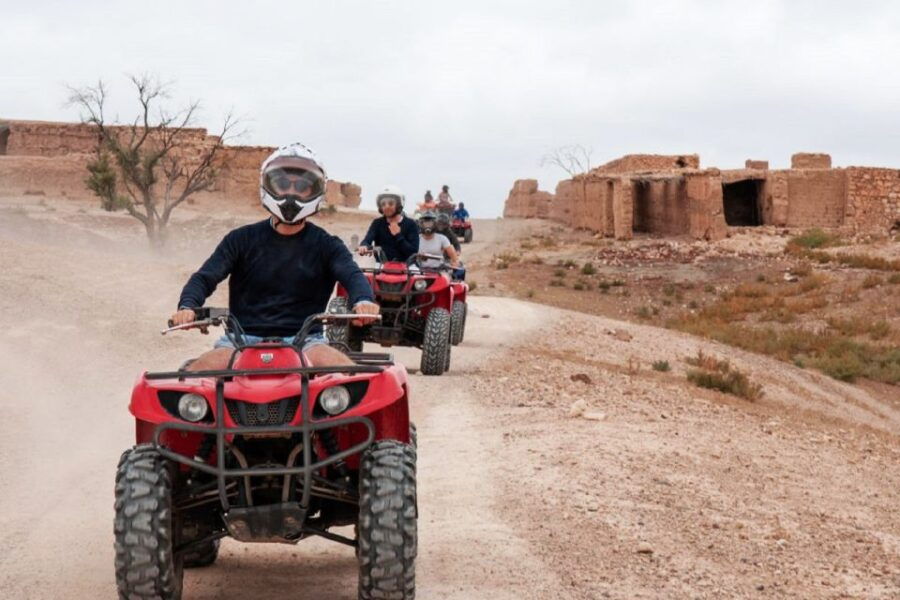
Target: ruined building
x,y
49,159
672,195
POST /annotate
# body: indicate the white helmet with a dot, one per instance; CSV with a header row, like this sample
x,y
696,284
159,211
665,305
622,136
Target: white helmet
x,y
292,183
391,192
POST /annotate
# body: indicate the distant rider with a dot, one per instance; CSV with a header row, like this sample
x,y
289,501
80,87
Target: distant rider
x,y
394,232
427,203
445,200
461,214
443,227
281,270
432,242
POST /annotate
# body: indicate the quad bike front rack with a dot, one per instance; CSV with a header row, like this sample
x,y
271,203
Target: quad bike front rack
x,y
270,523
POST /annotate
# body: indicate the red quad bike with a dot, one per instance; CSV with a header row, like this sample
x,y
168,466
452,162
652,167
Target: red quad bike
x,y
419,307
268,449
462,228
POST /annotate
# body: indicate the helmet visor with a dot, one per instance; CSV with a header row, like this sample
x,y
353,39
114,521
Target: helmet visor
x,y
388,199
299,184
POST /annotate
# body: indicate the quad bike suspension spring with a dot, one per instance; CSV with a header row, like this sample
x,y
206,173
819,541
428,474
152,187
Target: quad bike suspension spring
x,y
331,446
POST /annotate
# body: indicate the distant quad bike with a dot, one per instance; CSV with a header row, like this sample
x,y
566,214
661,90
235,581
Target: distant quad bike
x,y
267,450
419,307
462,228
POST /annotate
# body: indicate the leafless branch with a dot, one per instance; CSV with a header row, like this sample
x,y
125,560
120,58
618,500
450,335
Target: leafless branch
x,y
573,159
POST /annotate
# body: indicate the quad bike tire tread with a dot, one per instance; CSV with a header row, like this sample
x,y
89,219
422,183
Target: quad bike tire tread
x,y
341,333
467,236
436,342
387,536
458,322
146,565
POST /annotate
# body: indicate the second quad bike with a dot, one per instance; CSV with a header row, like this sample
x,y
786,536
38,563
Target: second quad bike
x,y
269,449
462,228
420,307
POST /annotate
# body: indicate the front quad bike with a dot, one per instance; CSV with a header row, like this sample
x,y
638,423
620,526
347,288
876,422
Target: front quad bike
x,y
416,310
267,450
462,228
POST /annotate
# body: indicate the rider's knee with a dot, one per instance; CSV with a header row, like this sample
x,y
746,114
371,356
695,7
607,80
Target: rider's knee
x,y
322,355
209,361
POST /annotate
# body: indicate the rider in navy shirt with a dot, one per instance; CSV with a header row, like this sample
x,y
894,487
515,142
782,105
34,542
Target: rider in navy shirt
x,y
396,234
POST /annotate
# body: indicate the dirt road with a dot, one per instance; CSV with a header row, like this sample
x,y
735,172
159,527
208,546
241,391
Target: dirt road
x,y
517,499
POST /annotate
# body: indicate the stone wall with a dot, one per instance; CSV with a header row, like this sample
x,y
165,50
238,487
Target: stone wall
x,y
873,199
810,160
649,162
48,158
627,195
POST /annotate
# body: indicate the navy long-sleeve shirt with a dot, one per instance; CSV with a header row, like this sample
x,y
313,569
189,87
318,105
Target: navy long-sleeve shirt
x,y
276,280
396,247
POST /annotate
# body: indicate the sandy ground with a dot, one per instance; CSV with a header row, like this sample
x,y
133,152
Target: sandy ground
x,y
664,491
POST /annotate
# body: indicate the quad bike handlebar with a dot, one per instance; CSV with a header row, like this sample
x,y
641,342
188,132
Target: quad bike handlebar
x,y
210,316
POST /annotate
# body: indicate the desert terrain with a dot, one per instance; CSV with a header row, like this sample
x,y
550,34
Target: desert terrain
x,y
559,458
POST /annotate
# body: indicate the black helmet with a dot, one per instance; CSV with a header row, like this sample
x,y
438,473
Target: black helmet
x,y
443,220
427,221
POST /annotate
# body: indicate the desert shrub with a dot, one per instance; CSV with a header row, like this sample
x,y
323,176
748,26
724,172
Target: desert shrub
x,y
603,285
557,283
709,288
473,285
581,285
569,264
760,278
752,290
559,273
804,269
669,289
529,294
644,312
815,238
661,366
894,279
588,269
872,281
712,373
617,283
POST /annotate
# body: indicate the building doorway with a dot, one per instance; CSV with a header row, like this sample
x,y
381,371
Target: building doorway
x,y
742,203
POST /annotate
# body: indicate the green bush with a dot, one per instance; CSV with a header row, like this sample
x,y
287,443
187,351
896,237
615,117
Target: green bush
x,y
661,365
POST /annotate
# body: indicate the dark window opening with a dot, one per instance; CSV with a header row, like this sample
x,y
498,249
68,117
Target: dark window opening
x,y
4,139
742,203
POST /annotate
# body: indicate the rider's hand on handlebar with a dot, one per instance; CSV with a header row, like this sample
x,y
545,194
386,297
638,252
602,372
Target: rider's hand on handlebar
x,y
364,250
365,308
185,315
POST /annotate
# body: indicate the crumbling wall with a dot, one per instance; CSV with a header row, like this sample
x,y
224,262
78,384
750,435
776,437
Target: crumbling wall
x,y
775,198
660,205
343,194
810,160
649,162
61,176
873,199
526,201
816,197
706,212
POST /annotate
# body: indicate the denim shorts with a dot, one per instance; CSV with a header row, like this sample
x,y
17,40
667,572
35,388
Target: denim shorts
x,y
312,340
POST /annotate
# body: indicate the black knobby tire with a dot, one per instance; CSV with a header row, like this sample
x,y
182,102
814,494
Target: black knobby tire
x,y
467,237
413,436
201,556
337,333
387,536
340,334
146,565
436,342
458,322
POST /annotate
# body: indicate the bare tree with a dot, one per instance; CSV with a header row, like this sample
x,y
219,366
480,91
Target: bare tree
x,y
154,158
573,159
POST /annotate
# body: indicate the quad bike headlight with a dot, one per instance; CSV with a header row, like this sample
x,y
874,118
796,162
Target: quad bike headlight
x,y
334,400
192,407
420,285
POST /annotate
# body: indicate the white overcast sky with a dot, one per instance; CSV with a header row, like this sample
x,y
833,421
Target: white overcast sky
x,y
472,94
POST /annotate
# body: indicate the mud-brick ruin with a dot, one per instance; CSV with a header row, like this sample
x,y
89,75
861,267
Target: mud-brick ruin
x,y
49,159
672,195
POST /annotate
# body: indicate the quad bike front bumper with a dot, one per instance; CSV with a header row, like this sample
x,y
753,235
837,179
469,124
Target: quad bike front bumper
x,y
285,522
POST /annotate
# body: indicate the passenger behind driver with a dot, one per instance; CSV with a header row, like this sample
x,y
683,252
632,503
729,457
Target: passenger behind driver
x,y
443,228
432,242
